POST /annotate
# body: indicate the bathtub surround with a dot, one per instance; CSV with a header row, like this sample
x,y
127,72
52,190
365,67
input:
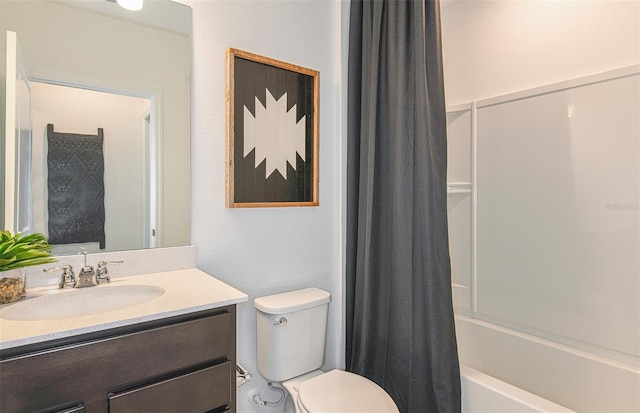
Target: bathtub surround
x,y
497,48
400,330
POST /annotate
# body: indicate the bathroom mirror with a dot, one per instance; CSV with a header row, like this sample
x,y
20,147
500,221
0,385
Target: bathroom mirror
x,y
79,64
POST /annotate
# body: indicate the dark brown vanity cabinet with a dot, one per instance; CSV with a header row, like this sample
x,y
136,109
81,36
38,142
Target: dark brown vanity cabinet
x,y
178,364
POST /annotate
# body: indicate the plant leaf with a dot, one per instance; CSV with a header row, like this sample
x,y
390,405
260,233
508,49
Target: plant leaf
x,y
18,251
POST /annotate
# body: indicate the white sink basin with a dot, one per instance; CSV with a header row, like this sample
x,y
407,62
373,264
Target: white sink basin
x,y
81,302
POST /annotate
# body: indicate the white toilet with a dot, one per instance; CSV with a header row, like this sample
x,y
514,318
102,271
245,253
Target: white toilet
x,y
291,335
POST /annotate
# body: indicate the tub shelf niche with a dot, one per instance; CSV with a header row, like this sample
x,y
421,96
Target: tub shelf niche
x,y
458,187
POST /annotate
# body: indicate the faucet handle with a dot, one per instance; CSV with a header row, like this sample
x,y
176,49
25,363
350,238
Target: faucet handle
x,y
102,274
67,279
83,251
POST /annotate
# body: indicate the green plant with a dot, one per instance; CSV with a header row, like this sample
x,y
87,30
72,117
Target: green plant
x,y
17,251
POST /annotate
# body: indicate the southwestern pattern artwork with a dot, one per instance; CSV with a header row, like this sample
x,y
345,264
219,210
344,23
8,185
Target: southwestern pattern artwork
x,y
272,133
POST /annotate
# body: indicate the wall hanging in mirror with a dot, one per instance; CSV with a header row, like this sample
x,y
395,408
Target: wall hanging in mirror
x,y
75,186
272,132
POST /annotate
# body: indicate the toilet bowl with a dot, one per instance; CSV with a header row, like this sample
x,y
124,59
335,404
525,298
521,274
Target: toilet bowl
x,y
338,391
291,335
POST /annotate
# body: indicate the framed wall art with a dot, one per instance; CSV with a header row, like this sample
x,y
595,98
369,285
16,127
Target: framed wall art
x,y
272,132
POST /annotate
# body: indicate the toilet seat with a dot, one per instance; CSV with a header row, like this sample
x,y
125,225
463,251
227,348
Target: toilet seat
x,y
341,391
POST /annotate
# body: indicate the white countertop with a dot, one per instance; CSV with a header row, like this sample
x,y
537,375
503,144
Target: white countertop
x,y
186,291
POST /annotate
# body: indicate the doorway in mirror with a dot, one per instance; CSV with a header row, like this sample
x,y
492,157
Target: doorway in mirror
x,y
129,153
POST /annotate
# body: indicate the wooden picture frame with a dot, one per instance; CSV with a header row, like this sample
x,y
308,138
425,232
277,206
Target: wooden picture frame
x,y
272,132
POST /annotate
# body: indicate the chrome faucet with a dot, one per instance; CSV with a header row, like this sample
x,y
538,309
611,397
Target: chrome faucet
x,y
88,277
67,279
102,274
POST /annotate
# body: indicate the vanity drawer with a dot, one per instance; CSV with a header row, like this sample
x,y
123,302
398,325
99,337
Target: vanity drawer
x,y
87,371
200,391
166,349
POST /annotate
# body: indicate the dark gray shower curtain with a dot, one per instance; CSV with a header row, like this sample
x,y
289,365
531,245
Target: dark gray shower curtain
x,y
400,330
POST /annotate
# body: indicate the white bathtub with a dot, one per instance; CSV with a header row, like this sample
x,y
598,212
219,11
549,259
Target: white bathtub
x,y
524,373
482,393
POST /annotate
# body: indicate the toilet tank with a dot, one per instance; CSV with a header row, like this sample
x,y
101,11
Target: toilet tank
x,y
291,332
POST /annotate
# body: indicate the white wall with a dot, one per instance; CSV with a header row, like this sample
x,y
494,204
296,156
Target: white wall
x,y
495,47
267,250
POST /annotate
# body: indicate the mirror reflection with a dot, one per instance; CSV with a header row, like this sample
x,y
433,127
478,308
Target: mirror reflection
x,y
97,123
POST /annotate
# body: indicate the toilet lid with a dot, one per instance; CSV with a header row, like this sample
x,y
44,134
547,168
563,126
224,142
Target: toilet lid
x,y
341,391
